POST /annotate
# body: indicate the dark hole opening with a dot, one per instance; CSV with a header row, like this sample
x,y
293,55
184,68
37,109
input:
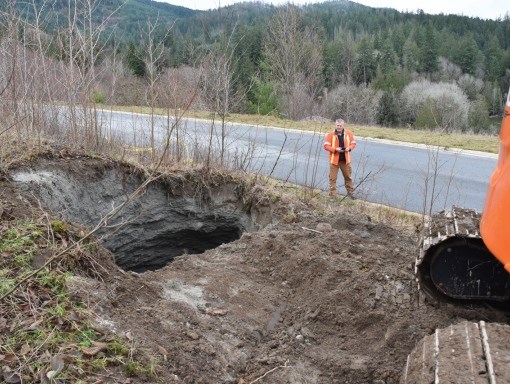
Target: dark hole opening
x,y
152,230
153,254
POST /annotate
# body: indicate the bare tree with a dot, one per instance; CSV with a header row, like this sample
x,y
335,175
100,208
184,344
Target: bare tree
x,y
353,103
179,90
433,192
293,54
153,53
220,88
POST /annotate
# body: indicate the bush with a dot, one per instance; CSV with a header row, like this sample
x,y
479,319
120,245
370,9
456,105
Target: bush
x,y
479,121
435,105
98,97
388,111
355,104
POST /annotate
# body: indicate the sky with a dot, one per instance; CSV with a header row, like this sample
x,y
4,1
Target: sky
x,y
485,9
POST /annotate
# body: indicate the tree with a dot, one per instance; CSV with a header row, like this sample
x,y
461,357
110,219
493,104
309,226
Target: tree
x,y
386,57
365,67
153,52
430,105
293,52
466,54
478,118
134,62
219,86
494,56
429,51
388,110
262,96
410,54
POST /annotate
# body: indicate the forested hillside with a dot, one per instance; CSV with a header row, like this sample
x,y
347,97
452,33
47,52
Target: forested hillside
x,y
332,59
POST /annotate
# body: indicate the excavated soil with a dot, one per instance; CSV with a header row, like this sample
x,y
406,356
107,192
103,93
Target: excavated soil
x,y
327,298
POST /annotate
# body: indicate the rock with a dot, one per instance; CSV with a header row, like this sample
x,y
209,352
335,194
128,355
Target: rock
x,y
324,227
378,292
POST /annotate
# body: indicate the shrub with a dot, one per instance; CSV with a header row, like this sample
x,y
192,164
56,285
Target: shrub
x,y
98,97
435,105
388,110
479,121
355,104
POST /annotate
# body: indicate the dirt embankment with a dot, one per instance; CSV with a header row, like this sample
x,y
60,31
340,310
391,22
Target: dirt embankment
x,y
327,298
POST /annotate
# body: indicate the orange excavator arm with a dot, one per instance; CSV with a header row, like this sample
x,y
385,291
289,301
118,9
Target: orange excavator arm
x,y
495,223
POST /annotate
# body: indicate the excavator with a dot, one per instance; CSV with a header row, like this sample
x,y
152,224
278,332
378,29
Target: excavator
x,y
464,259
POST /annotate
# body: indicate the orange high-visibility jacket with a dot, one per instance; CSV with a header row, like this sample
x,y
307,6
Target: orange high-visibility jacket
x,y
331,143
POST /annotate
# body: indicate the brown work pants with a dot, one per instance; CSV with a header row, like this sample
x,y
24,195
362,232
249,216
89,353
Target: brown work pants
x,y
333,176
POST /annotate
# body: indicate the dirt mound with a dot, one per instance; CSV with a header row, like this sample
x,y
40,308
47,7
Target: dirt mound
x,y
327,298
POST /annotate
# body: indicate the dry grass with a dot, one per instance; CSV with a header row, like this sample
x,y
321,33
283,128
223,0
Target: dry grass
x,y
292,198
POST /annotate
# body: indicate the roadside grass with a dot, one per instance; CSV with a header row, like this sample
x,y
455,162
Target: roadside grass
x,y
46,335
483,143
297,199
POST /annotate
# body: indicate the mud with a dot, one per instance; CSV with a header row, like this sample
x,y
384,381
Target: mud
x,y
327,297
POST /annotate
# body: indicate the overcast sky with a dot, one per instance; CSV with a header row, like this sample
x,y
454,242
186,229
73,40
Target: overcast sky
x,y
485,9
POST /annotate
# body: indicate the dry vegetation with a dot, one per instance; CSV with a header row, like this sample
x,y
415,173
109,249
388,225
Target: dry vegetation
x,y
49,335
45,108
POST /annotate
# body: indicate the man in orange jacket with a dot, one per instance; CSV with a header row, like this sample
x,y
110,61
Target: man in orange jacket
x,y
339,143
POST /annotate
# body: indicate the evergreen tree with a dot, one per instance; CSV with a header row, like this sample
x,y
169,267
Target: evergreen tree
x,y
410,54
365,66
429,56
466,54
134,61
388,110
386,58
494,64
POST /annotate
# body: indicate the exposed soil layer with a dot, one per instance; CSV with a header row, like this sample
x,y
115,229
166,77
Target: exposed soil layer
x,y
169,217
324,299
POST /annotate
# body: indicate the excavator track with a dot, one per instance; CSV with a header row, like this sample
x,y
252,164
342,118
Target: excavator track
x,y
454,264
463,353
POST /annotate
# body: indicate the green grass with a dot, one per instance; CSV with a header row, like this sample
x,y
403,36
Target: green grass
x,y
44,320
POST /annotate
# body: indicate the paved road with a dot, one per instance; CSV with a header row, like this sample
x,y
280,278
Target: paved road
x,y
415,178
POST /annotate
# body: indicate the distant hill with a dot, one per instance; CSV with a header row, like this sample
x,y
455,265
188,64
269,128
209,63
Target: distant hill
x,y
125,16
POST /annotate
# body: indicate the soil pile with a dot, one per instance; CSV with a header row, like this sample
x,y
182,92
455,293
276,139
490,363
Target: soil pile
x,y
326,298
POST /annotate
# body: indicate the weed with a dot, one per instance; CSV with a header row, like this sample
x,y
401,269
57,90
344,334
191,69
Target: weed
x,y
290,217
44,319
52,280
59,227
6,285
133,368
57,311
100,364
86,337
118,348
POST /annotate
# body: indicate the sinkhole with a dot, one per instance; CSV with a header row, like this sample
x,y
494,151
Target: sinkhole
x,y
175,215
